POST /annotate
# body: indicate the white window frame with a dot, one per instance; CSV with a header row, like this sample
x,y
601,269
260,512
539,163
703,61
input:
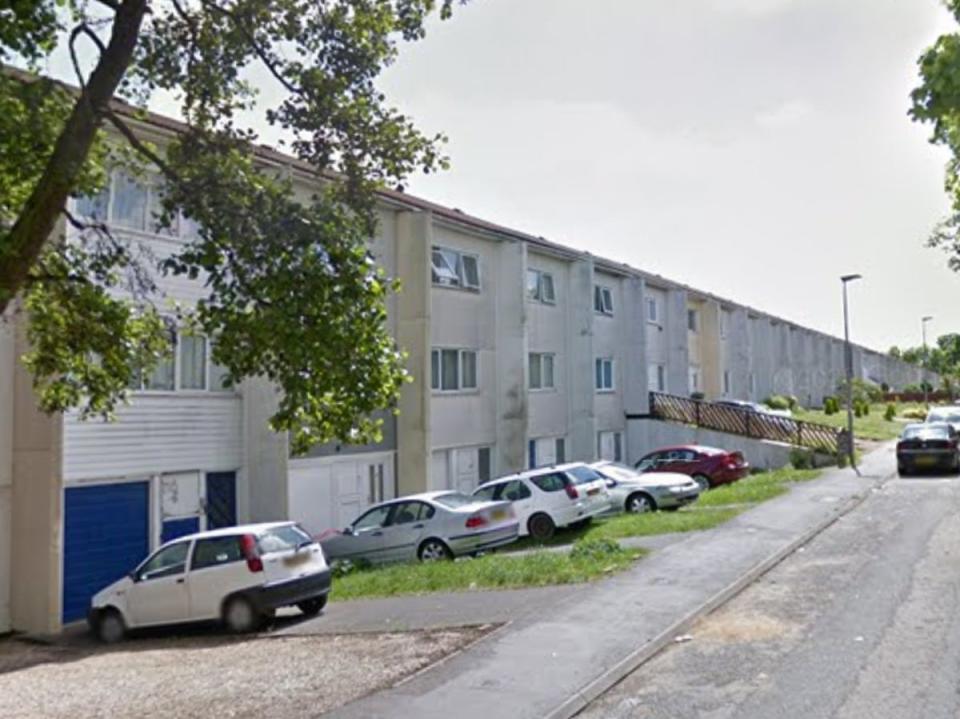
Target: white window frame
x,y
600,374
539,293
656,377
541,358
693,377
653,311
461,353
603,300
456,276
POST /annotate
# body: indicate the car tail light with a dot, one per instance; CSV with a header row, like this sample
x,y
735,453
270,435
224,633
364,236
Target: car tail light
x,y
571,491
477,520
248,545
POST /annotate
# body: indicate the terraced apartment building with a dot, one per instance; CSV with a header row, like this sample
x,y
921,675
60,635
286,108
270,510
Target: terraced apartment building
x,y
523,352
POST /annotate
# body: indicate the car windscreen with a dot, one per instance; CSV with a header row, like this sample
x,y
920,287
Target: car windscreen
x,y
927,431
280,539
582,475
455,499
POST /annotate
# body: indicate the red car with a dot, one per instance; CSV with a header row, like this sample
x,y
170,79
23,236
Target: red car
x,y
709,466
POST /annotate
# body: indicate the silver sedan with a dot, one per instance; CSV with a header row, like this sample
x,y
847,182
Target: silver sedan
x,y
632,491
428,526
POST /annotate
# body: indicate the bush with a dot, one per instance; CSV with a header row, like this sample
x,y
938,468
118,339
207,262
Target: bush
x,y
776,401
831,405
913,389
862,391
595,549
890,412
914,413
792,402
801,459
344,567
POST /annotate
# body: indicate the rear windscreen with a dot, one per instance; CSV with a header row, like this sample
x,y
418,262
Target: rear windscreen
x,y
279,539
582,475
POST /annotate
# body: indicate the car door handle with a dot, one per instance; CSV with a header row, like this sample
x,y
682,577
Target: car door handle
x,y
376,534
417,526
180,581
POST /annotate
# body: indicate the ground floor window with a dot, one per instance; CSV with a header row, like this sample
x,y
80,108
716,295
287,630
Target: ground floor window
x,y
461,468
546,451
610,446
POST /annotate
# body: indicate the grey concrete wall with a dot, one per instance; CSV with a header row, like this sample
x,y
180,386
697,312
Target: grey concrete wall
x,y
678,358
580,378
263,479
511,346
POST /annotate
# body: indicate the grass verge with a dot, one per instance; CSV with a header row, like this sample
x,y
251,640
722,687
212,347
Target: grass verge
x,y
872,426
496,571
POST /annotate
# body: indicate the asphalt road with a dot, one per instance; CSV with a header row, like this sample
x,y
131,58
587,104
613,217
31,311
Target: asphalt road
x,y
862,623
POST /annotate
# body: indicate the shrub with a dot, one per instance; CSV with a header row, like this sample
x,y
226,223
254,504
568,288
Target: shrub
x,y
913,389
885,387
831,405
776,401
801,459
344,567
792,401
890,412
914,413
595,549
698,396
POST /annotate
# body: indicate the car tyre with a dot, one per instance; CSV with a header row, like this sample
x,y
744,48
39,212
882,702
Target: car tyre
x,y
703,481
434,550
312,607
240,616
541,526
110,627
640,503
902,471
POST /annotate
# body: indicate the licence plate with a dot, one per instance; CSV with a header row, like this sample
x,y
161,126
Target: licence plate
x,y
498,514
925,459
591,492
296,559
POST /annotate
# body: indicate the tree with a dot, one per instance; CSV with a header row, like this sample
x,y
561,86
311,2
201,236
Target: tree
x,y
937,101
292,293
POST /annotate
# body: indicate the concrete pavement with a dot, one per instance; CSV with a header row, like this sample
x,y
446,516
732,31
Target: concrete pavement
x,y
554,661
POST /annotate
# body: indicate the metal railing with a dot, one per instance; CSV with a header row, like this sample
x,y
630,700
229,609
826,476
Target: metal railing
x,y
745,422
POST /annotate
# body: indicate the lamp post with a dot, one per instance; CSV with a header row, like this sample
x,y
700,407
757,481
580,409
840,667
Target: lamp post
x,y
848,352
923,375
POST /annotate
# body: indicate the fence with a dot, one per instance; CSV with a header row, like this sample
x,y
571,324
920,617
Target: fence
x,y
745,422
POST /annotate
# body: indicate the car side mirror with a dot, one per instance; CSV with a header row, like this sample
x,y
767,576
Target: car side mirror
x,y
348,530
611,483
134,577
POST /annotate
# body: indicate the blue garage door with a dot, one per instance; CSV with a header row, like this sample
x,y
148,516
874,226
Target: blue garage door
x,y
105,535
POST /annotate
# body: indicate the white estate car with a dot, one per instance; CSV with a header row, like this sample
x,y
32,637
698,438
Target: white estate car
x,y
550,497
239,575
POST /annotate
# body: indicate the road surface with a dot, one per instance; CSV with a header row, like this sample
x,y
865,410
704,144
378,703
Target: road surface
x,y
862,623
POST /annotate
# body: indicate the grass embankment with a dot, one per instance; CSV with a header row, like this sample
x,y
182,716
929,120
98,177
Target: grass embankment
x,y
594,553
872,426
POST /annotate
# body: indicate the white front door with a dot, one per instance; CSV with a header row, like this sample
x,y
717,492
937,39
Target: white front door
x,y
351,491
159,592
439,471
468,470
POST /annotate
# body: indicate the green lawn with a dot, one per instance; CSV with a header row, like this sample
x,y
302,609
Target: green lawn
x,y
594,553
493,571
873,426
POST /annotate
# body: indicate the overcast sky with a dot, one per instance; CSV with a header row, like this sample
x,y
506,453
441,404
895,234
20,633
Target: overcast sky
x,y
754,148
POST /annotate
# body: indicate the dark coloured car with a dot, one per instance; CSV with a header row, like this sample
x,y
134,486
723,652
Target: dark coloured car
x,y
709,466
928,446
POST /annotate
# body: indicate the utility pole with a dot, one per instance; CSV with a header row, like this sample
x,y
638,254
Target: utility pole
x,y
923,332
848,351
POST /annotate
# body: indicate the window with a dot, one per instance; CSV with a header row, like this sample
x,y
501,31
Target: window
x,y
280,539
602,300
213,552
453,370
487,493
561,450
374,519
610,446
541,371
163,376
532,453
409,512
218,373
484,471
583,475
694,375
540,287
726,381
604,374
167,562
193,358
656,378
129,207
693,320
553,482
653,310
96,207
451,268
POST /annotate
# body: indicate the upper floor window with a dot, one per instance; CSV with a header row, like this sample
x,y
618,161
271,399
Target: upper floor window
x,y
187,365
452,370
727,384
693,320
133,203
541,370
653,310
602,300
603,381
540,287
452,268
656,378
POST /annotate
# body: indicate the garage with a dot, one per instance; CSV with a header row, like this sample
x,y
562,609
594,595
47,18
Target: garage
x,y
106,532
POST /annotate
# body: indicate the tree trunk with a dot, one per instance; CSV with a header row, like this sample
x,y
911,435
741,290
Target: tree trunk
x,y
39,215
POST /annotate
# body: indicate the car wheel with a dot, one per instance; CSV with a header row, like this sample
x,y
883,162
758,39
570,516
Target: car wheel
x,y
240,616
640,503
541,527
902,471
312,607
433,550
703,481
110,627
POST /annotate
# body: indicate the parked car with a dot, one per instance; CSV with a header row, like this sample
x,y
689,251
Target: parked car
x,y
753,407
945,414
928,446
428,526
548,498
709,467
631,491
238,575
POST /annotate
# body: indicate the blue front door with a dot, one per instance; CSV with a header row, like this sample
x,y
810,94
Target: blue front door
x,y
106,533
221,499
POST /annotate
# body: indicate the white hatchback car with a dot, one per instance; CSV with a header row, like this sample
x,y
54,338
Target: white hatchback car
x,y
550,497
238,575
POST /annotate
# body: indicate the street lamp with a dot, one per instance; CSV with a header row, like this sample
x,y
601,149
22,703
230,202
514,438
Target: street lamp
x,y
848,351
923,375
